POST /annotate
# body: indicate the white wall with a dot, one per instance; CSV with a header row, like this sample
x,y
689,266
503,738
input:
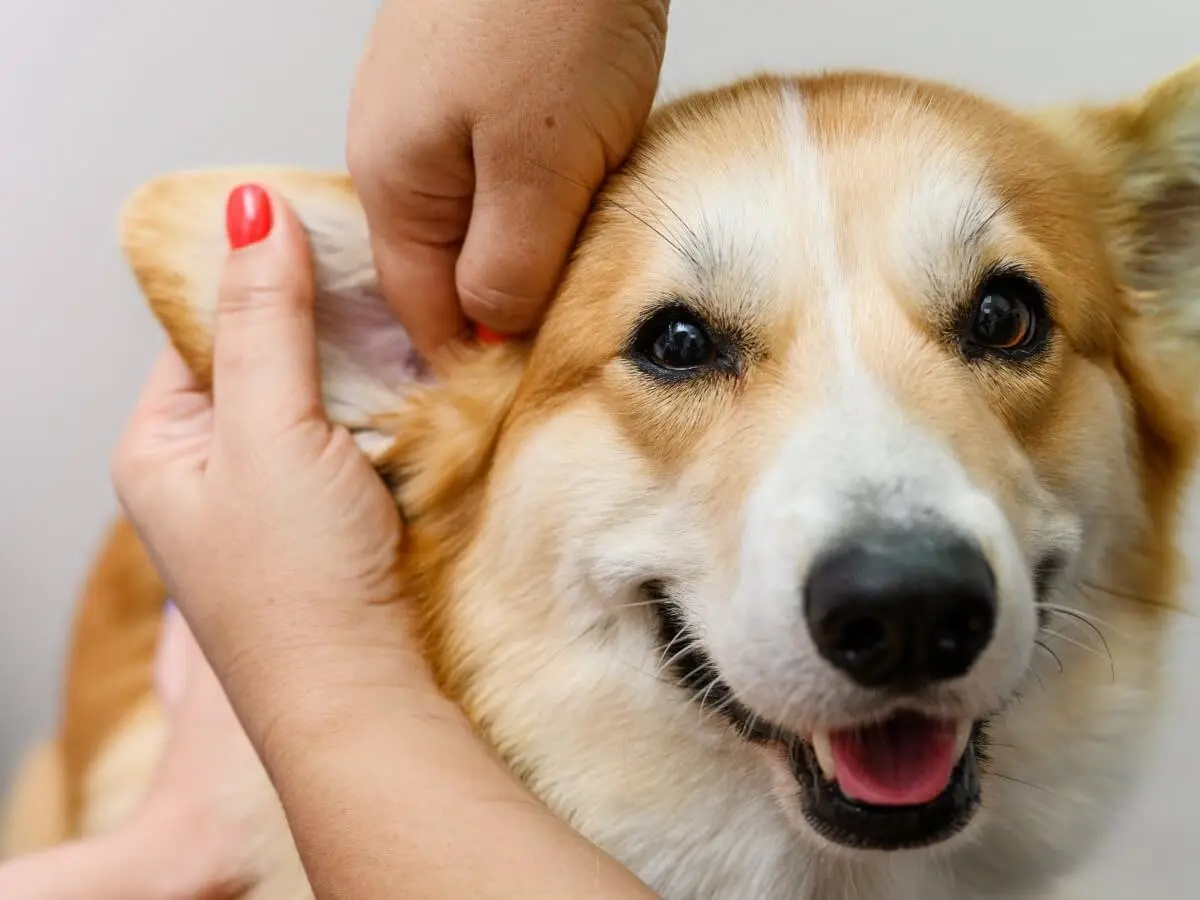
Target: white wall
x,y
97,95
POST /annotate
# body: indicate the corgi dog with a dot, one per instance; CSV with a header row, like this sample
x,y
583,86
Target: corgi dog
x,y
821,542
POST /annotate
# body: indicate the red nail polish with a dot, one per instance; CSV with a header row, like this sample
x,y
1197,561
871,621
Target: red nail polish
x,y
485,335
248,216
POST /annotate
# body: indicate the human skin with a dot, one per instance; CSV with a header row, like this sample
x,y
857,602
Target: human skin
x,y
479,131
181,842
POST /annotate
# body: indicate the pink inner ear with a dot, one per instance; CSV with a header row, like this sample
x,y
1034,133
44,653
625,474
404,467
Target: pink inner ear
x,y
360,324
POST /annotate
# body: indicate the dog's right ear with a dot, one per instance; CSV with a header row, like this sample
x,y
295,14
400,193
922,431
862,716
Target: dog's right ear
x,y
1143,156
172,234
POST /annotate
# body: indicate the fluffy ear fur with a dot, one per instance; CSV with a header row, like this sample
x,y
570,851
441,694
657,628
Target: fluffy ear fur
x,y
172,233
1146,155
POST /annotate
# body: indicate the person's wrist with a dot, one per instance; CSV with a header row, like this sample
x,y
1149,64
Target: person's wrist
x,y
333,636
327,717
306,682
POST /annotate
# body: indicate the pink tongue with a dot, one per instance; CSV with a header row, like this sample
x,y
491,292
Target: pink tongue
x,y
906,761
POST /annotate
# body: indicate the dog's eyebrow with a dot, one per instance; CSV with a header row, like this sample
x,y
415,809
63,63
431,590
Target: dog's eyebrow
x,y
978,214
958,247
687,245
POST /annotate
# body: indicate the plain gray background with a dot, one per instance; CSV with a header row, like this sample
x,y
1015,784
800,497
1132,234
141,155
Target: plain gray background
x,y
98,96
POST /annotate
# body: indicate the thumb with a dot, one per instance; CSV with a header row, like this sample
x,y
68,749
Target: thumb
x,y
265,366
523,225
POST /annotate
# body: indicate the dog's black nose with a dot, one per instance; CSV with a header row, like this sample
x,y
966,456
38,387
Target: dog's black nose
x,y
902,609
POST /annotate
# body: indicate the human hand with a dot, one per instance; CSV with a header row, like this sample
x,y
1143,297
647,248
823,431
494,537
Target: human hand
x,y
479,132
194,824
271,529
190,837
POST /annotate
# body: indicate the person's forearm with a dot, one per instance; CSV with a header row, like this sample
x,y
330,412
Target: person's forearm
x,y
457,826
110,866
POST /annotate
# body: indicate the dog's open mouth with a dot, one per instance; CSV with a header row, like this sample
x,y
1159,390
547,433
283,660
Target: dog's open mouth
x,y
907,782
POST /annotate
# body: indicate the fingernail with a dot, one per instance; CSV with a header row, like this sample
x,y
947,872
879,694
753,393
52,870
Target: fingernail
x,y
485,335
248,216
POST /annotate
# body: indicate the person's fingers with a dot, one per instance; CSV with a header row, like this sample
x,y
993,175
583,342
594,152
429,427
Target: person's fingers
x,y
411,166
417,203
416,271
175,408
266,373
171,423
170,377
524,221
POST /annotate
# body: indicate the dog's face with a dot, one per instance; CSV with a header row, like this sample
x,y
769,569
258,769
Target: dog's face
x,y
833,401
855,387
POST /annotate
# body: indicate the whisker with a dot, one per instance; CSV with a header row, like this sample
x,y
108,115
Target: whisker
x,y
998,210
662,234
564,176
1029,784
1079,614
691,233
625,209
1048,649
1080,617
1082,646
1038,676
666,664
635,604
562,649
713,682
1132,597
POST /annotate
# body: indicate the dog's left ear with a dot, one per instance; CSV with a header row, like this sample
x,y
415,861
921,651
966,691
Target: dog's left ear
x,y
429,429
1145,155
172,234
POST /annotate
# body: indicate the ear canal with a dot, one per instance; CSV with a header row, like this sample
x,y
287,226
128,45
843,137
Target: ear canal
x,y
172,232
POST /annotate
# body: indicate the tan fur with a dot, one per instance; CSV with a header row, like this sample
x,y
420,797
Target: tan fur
x,y
35,817
109,676
109,669
535,476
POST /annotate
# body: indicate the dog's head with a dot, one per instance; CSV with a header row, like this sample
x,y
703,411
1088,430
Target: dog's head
x,y
858,395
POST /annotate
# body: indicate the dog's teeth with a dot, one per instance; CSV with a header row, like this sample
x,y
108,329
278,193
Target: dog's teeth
x,y
824,751
961,739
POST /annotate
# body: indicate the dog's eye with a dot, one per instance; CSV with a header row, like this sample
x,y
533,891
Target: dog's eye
x,y
1007,316
676,340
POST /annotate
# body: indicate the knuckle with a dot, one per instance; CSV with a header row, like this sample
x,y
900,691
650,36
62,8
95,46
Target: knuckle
x,y
378,154
405,212
365,161
255,288
498,308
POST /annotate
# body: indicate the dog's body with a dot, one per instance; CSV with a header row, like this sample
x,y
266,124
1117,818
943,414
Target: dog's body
x,y
810,317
